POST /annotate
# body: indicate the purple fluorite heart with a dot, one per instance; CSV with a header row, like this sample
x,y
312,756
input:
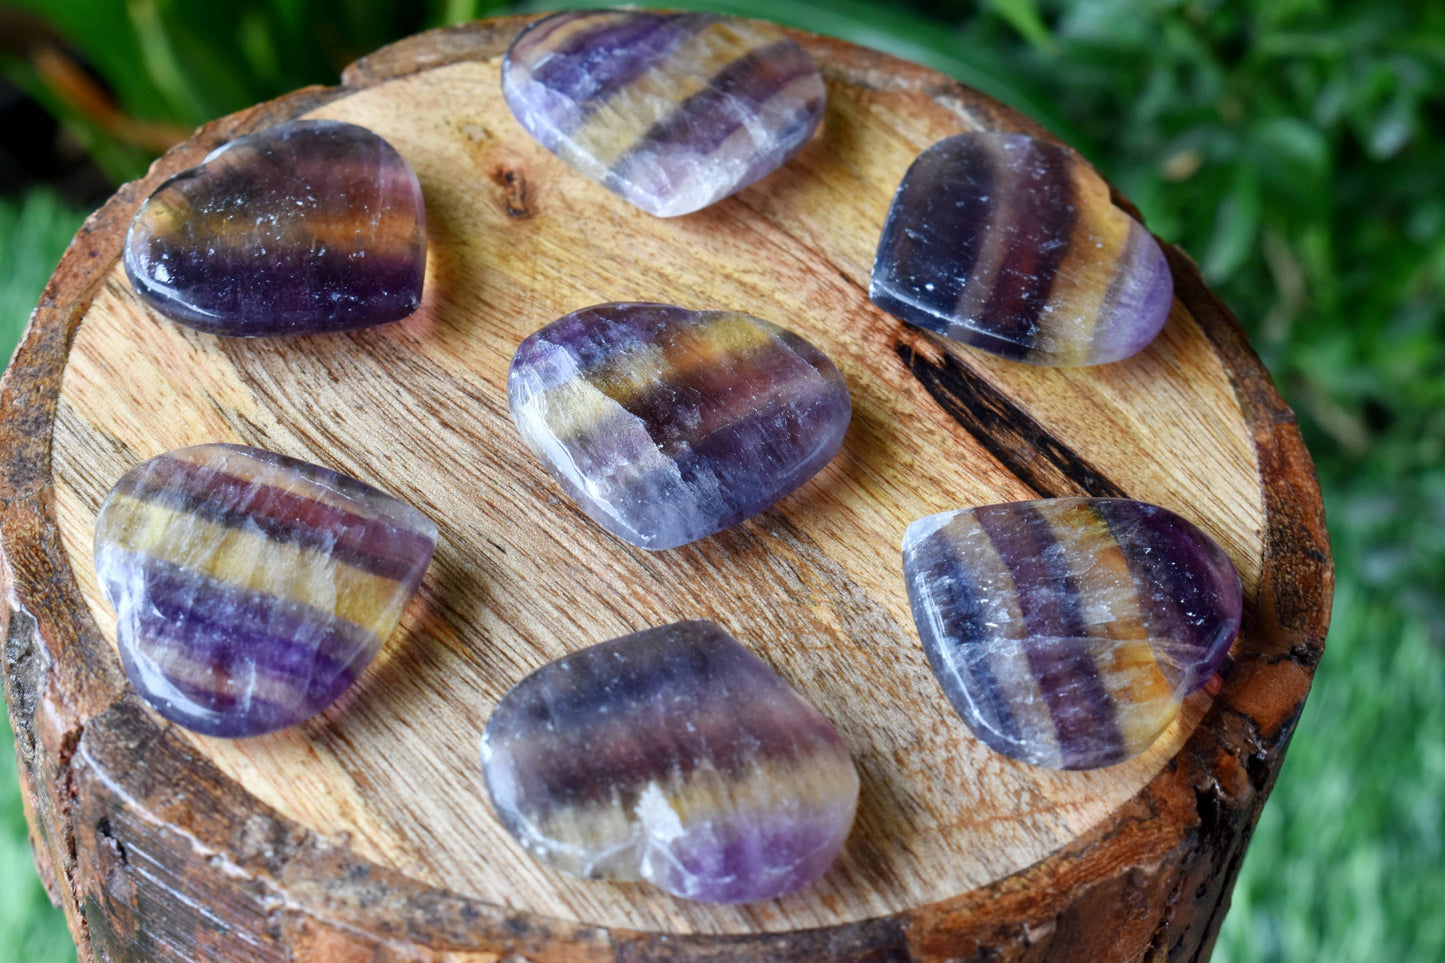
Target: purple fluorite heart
x,y
1013,245
252,589
667,425
673,111
676,756
306,227
1067,632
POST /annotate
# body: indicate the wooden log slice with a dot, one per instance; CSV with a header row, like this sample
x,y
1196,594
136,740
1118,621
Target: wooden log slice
x,y
366,834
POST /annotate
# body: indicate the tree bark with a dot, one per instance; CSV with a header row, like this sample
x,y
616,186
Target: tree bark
x,y
365,834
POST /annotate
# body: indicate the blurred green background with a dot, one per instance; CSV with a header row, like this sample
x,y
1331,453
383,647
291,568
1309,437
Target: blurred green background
x,y
1293,148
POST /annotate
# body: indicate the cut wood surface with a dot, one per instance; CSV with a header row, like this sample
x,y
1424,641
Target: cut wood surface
x,y
366,833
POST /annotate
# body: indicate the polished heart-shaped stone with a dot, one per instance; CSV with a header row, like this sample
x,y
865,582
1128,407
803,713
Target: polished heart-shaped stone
x,y
675,756
1067,632
252,589
667,425
1013,245
672,111
306,227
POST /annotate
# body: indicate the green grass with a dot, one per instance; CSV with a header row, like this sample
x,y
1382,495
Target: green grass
x,y
1347,860
34,230
1293,148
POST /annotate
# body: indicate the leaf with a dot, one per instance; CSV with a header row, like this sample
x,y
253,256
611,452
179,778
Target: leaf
x,y
1236,227
1393,128
33,233
158,58
465,11
1023,16
1291,144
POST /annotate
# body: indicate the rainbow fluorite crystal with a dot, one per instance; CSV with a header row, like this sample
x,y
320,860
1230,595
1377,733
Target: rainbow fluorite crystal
x,y
252,589
1014,245
672,111
306,227
667,425
1066,632
675,756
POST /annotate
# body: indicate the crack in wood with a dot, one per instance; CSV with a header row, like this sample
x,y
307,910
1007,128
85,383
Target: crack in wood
x,y
1022,445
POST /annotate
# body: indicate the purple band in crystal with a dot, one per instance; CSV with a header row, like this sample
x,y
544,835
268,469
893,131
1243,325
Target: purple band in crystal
x,y
591,750
234,501
673,755
222,624
1041,220
307,227
667,425
1013,244
959,662
671,111
192,626
703,123
1107,612
573,71
1166,556
1049,599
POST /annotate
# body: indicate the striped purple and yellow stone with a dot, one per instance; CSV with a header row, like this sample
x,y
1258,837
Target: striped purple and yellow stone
x,y
252,589
1012,245
675,756
672,111
667,425
306,227
1067,632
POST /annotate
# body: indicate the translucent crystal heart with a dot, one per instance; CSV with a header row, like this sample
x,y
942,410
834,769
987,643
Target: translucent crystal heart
x,y
673,111
676,756
1067,632
1013,245
305,227
252,589
667,425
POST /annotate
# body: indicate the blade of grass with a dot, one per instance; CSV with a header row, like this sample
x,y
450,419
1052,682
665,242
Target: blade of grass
x,y
158,56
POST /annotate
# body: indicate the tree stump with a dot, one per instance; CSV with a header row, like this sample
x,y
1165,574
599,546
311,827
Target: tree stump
x,y
366,834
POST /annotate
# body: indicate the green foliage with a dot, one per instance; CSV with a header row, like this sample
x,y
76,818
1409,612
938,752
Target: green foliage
x,y
34,230
1292,147
1346,863
188,62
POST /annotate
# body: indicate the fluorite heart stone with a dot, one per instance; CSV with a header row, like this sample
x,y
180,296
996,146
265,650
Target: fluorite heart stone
x,y
1067,632
251,589
306,227
1012,245
672,111
667,425
674,756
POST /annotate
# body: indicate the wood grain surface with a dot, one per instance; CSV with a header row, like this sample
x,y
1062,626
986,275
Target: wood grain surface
x,y
366,834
